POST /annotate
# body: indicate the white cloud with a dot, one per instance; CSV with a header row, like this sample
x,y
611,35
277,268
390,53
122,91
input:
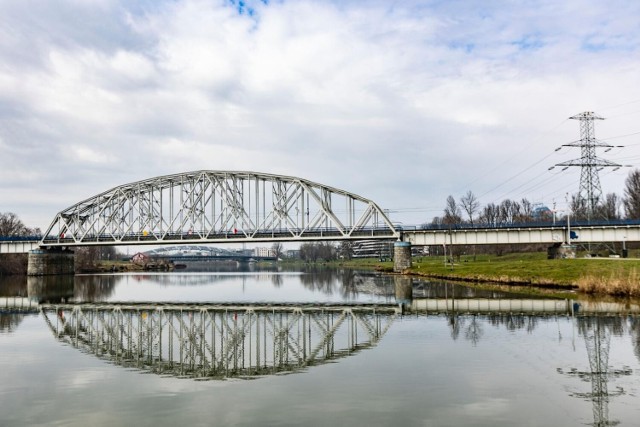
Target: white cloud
x,y
402,103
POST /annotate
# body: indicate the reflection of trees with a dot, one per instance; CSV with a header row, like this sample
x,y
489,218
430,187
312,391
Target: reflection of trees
x,y
13,286
470,324
347,282
635,336
473,332
95,288
456,323
9,322
319,279
277,281
433,289
514,322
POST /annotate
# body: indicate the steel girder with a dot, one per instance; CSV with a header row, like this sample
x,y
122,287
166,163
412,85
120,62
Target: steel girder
x,y
216,342
217,207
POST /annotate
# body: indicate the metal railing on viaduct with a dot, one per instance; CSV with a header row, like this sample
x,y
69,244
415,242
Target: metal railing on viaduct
x,y
534,232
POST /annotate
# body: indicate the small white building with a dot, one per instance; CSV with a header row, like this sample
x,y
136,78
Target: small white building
x,y
264,252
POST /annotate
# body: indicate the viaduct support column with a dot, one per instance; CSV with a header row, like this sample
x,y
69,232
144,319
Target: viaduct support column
x,y
401,256
46,262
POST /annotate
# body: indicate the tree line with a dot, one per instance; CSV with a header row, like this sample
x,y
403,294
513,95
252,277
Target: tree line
x,y
12,226
610,207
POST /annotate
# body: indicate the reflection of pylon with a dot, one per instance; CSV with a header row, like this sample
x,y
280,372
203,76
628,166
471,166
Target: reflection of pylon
x,y
590,191
597,339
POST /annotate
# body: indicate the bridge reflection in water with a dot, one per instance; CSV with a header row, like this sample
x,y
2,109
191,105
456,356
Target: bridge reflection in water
x,y
218,341
206,341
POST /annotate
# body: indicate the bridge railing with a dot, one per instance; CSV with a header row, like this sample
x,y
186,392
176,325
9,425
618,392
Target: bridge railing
x,y
526,224
231,235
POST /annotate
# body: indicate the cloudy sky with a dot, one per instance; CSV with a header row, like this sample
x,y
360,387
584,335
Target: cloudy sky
x,y
403,102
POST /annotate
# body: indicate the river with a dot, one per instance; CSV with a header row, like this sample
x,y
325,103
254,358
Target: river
x,y
317,347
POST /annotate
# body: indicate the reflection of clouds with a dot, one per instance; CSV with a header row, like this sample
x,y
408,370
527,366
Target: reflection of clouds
x,y
82,379
487,408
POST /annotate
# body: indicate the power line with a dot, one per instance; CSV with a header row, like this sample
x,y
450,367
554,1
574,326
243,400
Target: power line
x,y
507,160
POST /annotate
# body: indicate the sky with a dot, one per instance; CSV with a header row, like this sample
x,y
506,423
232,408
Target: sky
x,y
402,102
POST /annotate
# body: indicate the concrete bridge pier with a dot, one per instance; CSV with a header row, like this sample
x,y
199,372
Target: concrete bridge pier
x,y
46,262
401,256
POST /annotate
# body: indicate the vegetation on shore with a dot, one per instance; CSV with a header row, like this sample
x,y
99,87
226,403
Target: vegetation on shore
x,y
601,276
610,276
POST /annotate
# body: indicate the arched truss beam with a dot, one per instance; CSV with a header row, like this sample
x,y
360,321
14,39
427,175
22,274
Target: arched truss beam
x,y
218,207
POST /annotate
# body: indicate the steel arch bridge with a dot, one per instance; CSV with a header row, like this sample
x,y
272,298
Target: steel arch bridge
x,y
218,207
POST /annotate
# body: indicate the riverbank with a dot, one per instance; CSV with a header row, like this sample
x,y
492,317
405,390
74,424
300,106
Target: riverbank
x,y
595,276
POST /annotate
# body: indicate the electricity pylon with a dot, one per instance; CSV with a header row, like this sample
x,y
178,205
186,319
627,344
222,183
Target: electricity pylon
x,y
590,190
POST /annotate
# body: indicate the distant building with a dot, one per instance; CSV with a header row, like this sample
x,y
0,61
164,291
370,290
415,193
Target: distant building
x,y
541,212
292,253
264,252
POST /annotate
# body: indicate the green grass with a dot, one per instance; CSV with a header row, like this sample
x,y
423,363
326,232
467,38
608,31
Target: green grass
x,y
527,268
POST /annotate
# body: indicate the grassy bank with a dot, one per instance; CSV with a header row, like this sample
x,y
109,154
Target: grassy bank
x,y
609,276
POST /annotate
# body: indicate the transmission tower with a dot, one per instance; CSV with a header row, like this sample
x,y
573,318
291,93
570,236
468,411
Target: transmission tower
x,y
590,191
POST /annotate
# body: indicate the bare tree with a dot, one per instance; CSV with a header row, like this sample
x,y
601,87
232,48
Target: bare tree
x,y
346,249
632,195
451,212
490,214
609,207
315,251
11,225
470,204
526,211
276,247
578,207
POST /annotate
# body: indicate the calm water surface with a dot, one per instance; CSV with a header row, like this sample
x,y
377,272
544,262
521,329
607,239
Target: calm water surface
x,y
420,370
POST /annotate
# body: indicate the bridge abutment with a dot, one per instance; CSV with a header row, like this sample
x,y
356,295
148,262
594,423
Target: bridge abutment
x,y
48,262
401,256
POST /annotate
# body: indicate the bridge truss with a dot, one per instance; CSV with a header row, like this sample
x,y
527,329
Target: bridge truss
x,y
217,341
218,207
